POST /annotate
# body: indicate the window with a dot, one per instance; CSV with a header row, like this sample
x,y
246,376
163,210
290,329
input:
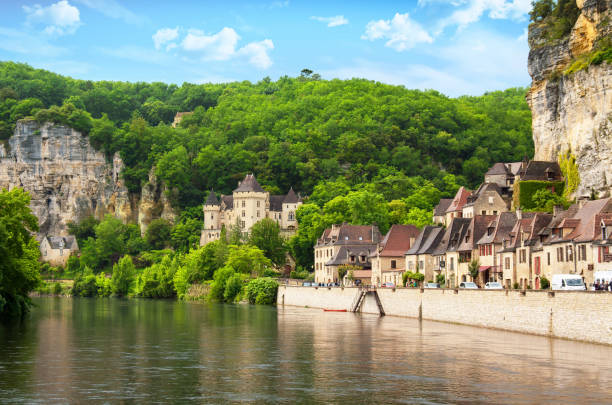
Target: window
x,y
212,216
507,263
352,258
484,212
452,264
522,256
582,252
257,204
362,258
258,214
243,213
548,258
421,265
243,203
569,253
291,216
242,224
494,212
490,200
560,254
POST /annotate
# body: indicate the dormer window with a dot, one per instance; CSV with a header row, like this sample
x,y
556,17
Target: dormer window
x,y
362,258
352,258
604,233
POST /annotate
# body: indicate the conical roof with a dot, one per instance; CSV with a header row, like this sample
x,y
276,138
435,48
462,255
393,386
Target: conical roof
x,y
291,197
212,198
249,184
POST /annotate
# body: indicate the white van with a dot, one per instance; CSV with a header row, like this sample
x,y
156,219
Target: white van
x,y
567,282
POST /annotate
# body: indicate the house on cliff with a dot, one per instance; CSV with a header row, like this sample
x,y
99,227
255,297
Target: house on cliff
x,y
56,250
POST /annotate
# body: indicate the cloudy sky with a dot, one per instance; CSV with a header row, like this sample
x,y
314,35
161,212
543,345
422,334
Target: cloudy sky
x,y
457,46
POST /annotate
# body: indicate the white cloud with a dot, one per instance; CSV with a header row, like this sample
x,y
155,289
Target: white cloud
x,y
138,54
165,35
257,53
279,4
219,46
495,9
332,21
401,32
222,46
524,36
112,9
59,18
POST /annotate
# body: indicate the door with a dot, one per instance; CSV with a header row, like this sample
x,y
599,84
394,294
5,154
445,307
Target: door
x,y
537,283
536,265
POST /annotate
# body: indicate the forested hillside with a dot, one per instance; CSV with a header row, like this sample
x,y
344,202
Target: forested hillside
x,y
324,138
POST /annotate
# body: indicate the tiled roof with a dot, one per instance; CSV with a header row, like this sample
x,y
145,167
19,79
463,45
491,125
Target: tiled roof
x,y
345,252
56,241
212,198
538,170
477,228
397,240
276,202
228,200
249,184
453,232
346,234
291,197
484,187
442,206
459,200
498,168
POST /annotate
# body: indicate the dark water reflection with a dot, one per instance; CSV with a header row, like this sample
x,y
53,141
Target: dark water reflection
x,y
108,350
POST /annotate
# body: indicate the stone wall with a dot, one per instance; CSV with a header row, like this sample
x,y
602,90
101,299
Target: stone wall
x,y
580,316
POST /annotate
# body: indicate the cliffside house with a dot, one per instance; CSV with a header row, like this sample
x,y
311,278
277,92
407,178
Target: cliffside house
x,y
248,204
345,245
56,250
487,200
420,258
490,246
388,261
468,249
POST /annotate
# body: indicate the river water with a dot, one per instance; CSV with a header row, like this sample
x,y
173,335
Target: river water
x,y
111,350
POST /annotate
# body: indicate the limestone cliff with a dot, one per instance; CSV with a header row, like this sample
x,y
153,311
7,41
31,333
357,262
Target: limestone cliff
x,y
574,110
69,180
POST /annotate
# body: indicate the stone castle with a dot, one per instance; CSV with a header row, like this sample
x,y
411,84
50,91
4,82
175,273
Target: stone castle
x,y
248,204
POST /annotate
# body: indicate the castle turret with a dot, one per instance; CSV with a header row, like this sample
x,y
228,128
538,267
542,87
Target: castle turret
x,y
291,202
250,203
212,223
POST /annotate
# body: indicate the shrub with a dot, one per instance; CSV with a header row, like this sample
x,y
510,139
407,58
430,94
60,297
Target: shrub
x,y
262,291
544,283
157,281
516,286
123,276
57,289
300,274
217,288
440,279
233,286
525,190
85,284
103,285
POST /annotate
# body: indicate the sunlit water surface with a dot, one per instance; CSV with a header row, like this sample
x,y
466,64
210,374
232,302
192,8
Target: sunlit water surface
x,y
111,350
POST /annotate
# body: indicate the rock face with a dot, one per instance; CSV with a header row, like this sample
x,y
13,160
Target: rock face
x,y
574,111
69,180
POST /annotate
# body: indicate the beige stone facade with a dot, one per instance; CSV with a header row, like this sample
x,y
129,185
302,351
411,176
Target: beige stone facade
x,y
56,250
247,205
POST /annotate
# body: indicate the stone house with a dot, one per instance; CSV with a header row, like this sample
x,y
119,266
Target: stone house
x,y
179,117
343,245
468,248
420,256
446,254
487,200
388,262
248,204
490,246
439,214
56,250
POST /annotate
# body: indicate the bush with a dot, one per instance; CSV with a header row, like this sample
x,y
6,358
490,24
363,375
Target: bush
x,y
262,291
57,289
299,274
440,279
85,284
123,276
217,288
104,286
516,286
525,190
233,286
157,281
544,283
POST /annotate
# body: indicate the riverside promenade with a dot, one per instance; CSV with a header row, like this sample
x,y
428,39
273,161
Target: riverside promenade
x,y
576,315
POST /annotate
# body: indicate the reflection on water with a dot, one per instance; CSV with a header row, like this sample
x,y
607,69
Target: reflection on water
x,y
78,350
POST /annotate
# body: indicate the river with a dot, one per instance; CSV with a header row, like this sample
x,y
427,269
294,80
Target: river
x,y
112,350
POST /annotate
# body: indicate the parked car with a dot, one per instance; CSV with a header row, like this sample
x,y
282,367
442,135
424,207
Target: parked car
x,y
567,282
432,285
306,284
388,285
493,285
468,285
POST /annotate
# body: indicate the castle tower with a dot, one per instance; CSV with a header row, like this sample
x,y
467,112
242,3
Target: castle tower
x,y
212,223
291,202
250,203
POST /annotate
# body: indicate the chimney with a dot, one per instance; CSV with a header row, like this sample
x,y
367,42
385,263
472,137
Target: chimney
x,y
582,201
519,214
557,210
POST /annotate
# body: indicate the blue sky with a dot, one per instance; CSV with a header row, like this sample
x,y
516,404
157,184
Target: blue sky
x,y
457,47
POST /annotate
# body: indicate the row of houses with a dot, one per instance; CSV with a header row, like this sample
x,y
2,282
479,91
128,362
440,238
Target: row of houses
x,y
479,236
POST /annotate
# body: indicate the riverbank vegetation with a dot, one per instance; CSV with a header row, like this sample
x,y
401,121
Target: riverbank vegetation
x,y
19,266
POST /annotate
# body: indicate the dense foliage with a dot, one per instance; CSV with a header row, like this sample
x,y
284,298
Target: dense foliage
x,y
19,269
557,17
533,195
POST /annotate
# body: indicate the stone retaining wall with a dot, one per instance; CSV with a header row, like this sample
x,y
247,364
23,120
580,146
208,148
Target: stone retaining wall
x,y
584,316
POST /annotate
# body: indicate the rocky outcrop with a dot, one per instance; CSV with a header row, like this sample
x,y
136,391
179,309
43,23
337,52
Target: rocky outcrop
x,y
574,111
69,180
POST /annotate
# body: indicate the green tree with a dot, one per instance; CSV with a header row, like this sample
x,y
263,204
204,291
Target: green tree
x,y
158,233
19,252
123,276
247,259
266,236
545,200
473,268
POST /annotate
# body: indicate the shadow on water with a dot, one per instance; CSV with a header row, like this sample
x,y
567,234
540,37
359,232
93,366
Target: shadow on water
x,y
79,350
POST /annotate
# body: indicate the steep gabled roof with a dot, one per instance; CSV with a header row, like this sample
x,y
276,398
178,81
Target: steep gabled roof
x,y
442,206
397,240
276,202
475,231
498,168
291,197
249,184
459,200
212,198
228,200
484,187
453,232
537,170
68,242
